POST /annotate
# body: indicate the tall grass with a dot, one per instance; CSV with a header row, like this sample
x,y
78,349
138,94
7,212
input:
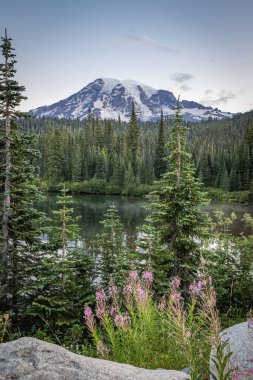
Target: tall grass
x,y
4,322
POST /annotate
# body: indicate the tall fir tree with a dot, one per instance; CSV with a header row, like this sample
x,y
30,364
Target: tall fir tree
x,y
176,211
111,252
133,143
65,227
10,98
54,156
19,219
160,163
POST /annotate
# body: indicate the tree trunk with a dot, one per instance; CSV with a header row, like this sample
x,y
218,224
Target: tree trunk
x,y
7,187
178,150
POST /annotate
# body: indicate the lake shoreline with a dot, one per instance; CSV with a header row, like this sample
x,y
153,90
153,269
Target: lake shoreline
x,y
132,210
102,188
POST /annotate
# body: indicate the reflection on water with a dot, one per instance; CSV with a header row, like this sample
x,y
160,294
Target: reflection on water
x,y
91,209
132,212
239,209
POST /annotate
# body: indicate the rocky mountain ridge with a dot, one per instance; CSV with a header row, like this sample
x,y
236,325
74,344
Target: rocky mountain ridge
x,y
110,98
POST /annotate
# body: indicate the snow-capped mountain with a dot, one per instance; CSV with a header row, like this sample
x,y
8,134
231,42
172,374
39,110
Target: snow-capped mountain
x,y
111,98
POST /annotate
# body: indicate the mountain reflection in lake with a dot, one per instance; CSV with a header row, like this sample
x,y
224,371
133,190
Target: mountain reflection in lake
x,y
132,212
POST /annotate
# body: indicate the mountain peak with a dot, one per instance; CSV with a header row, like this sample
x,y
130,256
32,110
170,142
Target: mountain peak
x,y
110,98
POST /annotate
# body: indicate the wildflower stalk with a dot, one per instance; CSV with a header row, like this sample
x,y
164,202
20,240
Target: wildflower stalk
x,y
5,319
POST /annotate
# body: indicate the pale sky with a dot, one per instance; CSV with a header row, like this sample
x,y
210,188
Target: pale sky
x,y
199,49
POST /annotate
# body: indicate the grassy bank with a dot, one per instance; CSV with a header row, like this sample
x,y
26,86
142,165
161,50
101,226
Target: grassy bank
x,y
101,187
226,196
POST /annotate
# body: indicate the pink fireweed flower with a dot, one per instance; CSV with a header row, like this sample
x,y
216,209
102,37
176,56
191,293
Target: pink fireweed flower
x,y
113,310
87,312
250,322
176,296
201,284
100,304
133,275
161,305
114,293
89,318
243,374
122,321
128,289
100,308
100,312
148,277
141,294
113,290
175,283
100,295
194,289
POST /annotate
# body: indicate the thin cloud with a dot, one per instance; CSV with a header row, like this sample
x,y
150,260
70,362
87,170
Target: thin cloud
x,y
146,40
136,38
181,77
165,48
223,97
185,87
182,80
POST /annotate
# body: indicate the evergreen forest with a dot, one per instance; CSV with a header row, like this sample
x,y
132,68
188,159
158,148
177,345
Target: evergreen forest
x,y
114,157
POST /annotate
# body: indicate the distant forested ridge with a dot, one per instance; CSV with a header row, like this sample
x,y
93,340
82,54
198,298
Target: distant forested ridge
x,y
124,157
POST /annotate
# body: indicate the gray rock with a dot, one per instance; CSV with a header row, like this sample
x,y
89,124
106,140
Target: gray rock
x,y
240,344
187,370
33,359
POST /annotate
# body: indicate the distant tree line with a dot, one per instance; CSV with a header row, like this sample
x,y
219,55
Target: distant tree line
x,y
127,155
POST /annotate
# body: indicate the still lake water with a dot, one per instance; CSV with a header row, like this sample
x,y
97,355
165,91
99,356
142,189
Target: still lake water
x,y
132,212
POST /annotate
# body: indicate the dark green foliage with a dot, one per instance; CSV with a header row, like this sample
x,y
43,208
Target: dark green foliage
x,y
77,151
64,282
216,143
229,264
10,91
220,361
64,226
76,163
111,252
80,151
101,165
24,219
160,163
130,181
133,141
18,183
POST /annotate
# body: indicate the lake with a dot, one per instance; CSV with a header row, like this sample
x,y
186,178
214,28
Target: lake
x,y
132,212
